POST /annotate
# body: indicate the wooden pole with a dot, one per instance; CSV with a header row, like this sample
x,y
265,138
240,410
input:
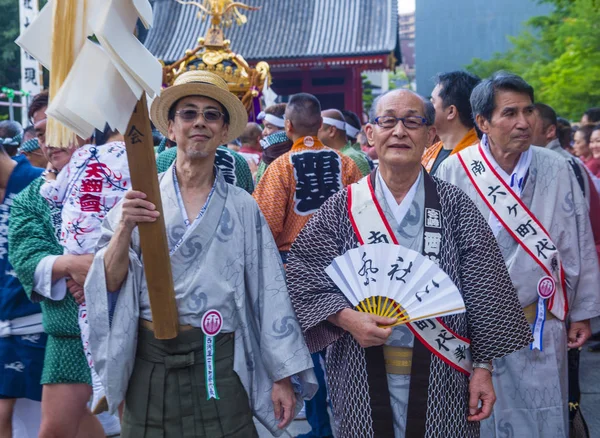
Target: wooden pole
x,y
153,236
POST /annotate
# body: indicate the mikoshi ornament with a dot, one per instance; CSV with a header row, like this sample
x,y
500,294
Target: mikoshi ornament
x,y
395,282
100,74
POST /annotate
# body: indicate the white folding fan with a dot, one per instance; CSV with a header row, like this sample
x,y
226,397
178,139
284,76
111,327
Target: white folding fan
x,y
395,282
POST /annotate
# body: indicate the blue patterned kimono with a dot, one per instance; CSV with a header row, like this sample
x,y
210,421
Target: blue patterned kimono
x,y
21,355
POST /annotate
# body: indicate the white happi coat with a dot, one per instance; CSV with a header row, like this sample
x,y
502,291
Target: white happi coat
x,y
531,385
227,261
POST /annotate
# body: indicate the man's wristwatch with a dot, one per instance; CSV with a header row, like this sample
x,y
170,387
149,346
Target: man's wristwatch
x,y
485,365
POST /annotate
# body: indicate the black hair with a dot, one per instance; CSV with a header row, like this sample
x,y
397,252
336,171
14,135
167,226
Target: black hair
x,y
483,97
29,130
593,115
102,137
563,132
586,130
547,114
304,111
38,102
455,89
352,119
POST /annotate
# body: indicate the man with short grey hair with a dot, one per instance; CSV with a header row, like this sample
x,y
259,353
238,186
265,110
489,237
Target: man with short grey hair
x,y
415,379
539,216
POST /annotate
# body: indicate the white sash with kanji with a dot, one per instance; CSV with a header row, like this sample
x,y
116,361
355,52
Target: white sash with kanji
x,y
371,226
526,229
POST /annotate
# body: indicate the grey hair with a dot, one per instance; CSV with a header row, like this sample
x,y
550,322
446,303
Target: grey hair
x,y
428,108
483,96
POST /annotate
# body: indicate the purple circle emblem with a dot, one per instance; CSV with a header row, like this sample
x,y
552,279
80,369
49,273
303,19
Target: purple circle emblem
x,y
546,287
212,322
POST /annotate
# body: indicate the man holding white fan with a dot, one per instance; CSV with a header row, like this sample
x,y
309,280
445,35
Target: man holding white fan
x,y
401,279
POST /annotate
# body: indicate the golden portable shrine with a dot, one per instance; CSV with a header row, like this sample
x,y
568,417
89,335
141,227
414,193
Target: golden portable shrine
x,y
214,54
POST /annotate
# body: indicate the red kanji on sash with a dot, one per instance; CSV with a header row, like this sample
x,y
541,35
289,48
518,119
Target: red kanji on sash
x,y
90,203
91,185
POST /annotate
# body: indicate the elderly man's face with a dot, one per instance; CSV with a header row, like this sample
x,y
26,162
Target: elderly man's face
x,y
513,121
400,146
198,138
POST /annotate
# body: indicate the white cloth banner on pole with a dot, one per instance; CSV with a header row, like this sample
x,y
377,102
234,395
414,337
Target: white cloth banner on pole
x,y
31,79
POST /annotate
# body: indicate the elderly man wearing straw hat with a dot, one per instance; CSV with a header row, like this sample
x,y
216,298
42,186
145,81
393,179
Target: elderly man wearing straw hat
x,y
239,342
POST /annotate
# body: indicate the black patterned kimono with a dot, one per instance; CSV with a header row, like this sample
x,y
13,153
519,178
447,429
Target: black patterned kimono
x,y
494,320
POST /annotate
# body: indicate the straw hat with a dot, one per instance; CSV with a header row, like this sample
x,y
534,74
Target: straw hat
x,y
199,83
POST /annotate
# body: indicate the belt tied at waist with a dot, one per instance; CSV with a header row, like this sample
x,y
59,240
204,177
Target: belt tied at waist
x,y
25,325
398,360
531,312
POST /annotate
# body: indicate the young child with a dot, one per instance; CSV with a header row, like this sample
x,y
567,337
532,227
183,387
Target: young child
x,y
93,182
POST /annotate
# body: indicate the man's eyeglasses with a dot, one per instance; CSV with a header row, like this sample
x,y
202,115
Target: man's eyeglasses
x,y
189,115
411,122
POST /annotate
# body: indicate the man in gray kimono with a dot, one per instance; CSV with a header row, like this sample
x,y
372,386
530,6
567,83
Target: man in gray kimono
x,y
239,342
384,382
537,212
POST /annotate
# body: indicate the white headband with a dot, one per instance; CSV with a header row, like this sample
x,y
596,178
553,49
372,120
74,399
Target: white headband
x,y
351,131
334,122
273,120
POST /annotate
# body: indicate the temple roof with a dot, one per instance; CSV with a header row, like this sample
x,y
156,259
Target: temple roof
x,y
284,29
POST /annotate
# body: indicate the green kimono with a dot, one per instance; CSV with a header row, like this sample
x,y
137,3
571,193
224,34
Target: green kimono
x,y
232,165
359,157
32,236
262,168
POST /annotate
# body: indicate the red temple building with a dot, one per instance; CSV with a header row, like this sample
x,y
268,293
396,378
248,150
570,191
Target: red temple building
x,y
316,46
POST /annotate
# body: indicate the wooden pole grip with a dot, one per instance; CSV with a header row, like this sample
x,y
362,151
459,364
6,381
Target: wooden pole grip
x,y
153,236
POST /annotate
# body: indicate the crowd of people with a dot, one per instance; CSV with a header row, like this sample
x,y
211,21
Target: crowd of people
x,y
493,187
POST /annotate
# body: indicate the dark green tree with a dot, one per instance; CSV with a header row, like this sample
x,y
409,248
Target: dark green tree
x,y
10,72
367,93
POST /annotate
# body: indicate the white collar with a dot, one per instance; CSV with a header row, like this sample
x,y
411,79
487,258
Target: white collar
x,y
398,210
516,180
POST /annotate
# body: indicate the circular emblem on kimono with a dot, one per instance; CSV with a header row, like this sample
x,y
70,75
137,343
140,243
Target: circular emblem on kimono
x,y
309,142
212,322
546,287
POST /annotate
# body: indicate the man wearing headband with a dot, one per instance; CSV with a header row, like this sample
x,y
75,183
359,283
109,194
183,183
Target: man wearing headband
x,y
355,134
333,135
298,182
22,338
30,147
239,342
11,135
275,142
292,189
273,119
